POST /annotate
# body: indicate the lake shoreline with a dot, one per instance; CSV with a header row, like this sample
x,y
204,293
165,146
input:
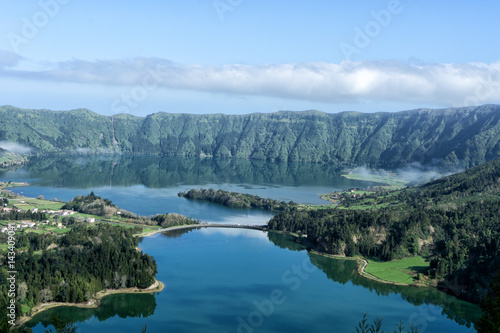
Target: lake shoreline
x,y
362,263
93,303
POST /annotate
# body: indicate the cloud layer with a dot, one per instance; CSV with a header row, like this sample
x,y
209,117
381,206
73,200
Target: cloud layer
x,y
347,82
15,147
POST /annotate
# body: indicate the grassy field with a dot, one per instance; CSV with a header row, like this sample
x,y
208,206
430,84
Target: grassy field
x,y
400,271
385,178
315,207
26,203
30,203
12,184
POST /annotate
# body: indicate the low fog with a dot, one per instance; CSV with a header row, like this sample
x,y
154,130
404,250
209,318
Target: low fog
x,y
14,147
414,173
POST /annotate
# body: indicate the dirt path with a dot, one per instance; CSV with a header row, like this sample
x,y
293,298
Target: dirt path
x,y
362,263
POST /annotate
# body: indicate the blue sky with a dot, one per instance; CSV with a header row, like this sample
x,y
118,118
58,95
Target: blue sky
x,y
242,56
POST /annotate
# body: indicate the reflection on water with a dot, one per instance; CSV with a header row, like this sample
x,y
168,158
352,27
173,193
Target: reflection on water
x,y
161,171
215,276
284,241
121,305
345,271
300,182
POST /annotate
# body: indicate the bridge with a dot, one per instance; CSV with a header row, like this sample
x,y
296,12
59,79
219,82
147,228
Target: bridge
x,y
215,225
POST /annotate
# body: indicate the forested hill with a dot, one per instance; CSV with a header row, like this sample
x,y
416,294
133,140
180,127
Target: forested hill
x,y
456,137
452,221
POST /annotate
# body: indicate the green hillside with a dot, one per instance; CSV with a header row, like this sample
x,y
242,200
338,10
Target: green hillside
x,y
462,137
9,159
453,222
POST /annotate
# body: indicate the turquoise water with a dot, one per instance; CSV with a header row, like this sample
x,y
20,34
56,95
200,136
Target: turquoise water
x,y
232,280
228,280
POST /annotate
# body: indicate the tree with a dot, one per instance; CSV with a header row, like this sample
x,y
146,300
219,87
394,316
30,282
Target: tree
x,y
376,326
22,289
490,321
45,295
61,325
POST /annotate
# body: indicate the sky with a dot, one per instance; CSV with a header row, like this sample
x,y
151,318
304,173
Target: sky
x,y
242,56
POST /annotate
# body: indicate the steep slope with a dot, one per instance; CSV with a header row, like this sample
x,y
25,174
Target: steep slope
x,y
453,137
52,131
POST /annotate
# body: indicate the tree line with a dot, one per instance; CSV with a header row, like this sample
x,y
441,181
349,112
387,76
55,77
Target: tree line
x,y
237,200
74,267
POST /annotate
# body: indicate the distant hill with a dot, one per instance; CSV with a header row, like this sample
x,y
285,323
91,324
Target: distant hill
x,y
452,137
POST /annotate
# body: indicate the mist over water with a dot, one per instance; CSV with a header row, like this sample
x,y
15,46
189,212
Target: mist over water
x,y
414,173
14,147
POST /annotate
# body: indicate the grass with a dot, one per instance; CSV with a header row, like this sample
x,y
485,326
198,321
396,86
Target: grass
x,y
390,179
30,203
12,184
401,270
42,204
25,309
315,207
61,231
365,207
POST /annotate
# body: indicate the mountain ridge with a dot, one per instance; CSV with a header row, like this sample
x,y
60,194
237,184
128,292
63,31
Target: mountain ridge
x,y
451,137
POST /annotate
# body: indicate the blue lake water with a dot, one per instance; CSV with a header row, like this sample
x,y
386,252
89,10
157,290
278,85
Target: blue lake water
x,y
232,280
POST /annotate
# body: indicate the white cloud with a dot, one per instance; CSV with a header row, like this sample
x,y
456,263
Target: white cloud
x,y
15,147
8,59
347,82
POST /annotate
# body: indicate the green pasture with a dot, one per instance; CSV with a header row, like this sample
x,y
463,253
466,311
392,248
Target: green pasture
x,y
401,270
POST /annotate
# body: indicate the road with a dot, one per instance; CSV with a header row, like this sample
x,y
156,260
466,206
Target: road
x,y
215,225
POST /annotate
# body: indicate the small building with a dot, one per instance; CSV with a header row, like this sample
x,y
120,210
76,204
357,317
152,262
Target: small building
x,y
90,220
